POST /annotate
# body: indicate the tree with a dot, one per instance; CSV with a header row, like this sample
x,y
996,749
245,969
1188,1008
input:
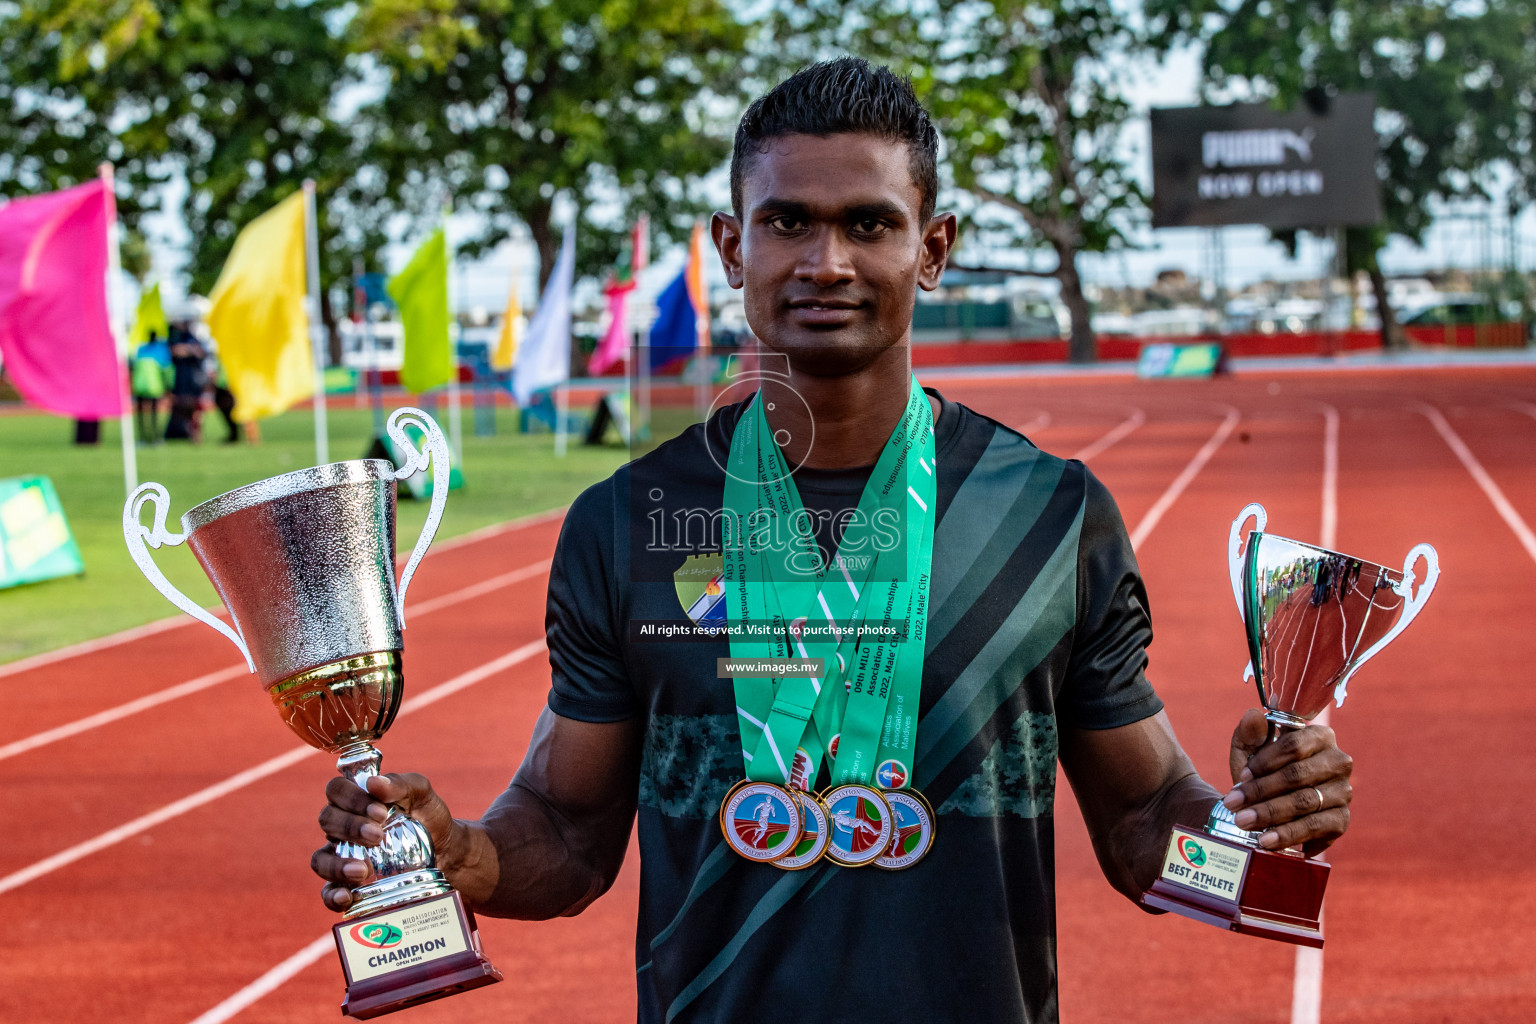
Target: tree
x,y
505,104
234,98
1029,97
1452,81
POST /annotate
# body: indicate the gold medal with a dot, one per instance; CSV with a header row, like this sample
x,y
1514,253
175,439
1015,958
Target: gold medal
x,y
814,833
860,824
912,830
760,821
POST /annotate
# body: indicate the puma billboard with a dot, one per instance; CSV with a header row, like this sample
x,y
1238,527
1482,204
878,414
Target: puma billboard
x,y
1250,164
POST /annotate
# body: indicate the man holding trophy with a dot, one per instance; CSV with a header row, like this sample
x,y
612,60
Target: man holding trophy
x,y
1026,629
889,616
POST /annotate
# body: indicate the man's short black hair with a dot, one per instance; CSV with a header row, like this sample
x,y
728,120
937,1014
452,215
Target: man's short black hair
x,y
834,97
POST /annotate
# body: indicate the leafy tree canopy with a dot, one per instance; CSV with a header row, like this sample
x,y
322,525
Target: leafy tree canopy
x,y
1454,82
232,97
1030,98
504,104
390,105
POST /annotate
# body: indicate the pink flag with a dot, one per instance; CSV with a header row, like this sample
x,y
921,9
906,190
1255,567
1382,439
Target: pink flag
x,y
621,282
55,335
616,339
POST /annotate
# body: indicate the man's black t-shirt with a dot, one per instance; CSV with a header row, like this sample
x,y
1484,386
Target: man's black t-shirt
x,y
1038,621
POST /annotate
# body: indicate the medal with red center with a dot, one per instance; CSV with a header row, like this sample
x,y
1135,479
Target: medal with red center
x,y
860,821
860,708
813,833
760,821
911,832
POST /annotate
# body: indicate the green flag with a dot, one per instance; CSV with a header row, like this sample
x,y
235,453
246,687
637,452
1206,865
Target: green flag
x,y
421,292
149,318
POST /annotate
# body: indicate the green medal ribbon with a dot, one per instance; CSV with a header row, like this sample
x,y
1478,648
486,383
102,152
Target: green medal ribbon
x,y
774,577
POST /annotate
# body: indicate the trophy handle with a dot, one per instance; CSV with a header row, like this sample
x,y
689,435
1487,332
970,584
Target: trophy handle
x,y
1412,604
1253,510
435,446
157,536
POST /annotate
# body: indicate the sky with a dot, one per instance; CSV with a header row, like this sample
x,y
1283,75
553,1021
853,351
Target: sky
x,y
1458,239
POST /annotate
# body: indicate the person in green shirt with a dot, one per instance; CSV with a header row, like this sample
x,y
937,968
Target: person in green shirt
x,y
147,380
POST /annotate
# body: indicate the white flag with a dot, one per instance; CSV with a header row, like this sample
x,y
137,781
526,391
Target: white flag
x,y
544,355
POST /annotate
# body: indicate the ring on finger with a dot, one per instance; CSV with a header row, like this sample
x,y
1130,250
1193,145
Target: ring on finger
x,y
1320,800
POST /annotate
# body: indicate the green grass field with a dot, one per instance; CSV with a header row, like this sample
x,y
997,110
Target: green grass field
x,y
505,476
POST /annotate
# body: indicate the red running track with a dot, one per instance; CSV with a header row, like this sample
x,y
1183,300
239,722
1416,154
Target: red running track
x,y
134,892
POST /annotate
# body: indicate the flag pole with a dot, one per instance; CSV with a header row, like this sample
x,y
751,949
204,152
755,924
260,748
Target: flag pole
x,y
562,406
562,396
371,372
119,335
703,378
644,349
360,390
316,327
455,411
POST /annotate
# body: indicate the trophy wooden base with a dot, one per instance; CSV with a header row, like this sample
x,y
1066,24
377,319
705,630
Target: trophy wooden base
x,y
409,955
1232,885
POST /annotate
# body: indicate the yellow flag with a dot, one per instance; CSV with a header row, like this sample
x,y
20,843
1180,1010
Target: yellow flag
x,y
257,315
511,328
150,318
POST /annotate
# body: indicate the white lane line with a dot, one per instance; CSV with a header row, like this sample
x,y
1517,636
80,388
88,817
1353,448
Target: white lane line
x,y
1040,422
269,982
497,529
100,643
1307,981
1307,987
271,766
480,589
1330,524
1500,503
223,675
1196,464
175,621
1115,436
133,707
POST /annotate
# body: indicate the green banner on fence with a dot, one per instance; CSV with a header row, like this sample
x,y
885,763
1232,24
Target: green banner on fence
x,y
35,542
1166,360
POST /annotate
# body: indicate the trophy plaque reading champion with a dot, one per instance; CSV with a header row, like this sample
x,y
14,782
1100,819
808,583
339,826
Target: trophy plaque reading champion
x,y
305,564
1313,617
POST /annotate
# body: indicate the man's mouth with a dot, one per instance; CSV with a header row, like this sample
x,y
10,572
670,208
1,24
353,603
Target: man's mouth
x,y
823,312
824,304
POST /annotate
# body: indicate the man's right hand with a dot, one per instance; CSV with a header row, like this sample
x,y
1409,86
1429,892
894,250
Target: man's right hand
x,y
355,816
550,844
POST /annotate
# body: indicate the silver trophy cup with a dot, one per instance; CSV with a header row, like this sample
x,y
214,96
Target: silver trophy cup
x,y
305,564
1314,617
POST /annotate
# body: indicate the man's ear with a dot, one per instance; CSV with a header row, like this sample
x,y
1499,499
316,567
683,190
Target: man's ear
x,y
726,231
938,240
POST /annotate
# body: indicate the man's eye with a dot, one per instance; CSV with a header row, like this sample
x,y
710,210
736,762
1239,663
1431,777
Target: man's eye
x,y
784,223
870,226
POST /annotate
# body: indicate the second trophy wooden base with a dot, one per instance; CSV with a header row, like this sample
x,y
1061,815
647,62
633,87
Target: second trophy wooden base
x,y
1232,885
409,955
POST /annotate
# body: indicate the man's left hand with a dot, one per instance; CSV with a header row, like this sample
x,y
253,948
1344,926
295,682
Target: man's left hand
x,y
1296,790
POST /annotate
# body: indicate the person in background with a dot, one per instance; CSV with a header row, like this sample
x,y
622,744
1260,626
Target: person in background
x,y
187,385
147,375
225,400
87,431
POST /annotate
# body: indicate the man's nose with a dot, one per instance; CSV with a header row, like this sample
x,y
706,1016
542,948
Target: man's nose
x,y
826,260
